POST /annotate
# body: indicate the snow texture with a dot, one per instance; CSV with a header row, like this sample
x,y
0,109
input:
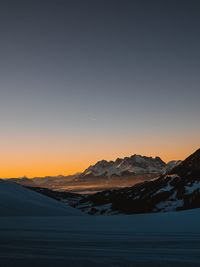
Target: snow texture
x,y
164,239
192,187
16,200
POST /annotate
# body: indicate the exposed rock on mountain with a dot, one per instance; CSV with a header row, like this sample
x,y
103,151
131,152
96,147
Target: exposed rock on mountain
x,y
104,175
135,164
177,190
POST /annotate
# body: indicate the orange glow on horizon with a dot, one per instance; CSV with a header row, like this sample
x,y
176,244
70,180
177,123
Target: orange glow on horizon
x,y
35,165
37,155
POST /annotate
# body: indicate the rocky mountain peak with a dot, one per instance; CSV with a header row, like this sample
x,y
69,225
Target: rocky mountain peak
x,y
135,164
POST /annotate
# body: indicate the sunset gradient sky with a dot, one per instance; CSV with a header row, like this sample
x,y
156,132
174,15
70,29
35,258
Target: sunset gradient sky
x,y
82,81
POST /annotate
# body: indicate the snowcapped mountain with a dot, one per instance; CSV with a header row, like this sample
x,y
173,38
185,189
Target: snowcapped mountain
x,y
179,189
104,175
134,165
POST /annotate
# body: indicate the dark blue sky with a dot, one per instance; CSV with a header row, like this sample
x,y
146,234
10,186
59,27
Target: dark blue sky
x,y
98,79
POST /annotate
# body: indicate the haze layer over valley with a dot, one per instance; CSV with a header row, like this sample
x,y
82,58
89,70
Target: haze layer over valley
x,y
105,175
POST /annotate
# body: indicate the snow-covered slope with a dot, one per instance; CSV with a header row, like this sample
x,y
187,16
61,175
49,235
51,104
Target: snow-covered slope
x,y
18,201
177,190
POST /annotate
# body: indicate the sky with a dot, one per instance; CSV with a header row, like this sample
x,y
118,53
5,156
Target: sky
x,y
82,81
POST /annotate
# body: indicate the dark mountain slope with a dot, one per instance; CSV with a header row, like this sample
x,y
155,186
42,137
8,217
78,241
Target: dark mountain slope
x,y
178,190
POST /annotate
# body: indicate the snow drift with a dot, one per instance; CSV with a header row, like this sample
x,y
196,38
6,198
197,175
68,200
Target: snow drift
x,y
18,201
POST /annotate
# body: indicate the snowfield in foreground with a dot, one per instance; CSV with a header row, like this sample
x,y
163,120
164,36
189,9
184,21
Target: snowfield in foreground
x,y
164,239
16,200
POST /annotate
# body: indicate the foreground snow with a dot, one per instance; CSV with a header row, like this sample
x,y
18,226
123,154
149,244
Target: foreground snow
x,y
16,200
167,239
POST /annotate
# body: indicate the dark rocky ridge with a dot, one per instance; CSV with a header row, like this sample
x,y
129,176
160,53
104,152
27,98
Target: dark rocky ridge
x,y
178,190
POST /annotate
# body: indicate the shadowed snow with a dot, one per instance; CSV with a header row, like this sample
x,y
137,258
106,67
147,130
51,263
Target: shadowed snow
x,y
18,201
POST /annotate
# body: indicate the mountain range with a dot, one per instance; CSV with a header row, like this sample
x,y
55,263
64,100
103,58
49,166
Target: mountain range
x,y
178,189
134,165
104,175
